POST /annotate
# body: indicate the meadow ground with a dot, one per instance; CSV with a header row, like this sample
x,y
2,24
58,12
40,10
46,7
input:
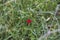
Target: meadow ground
x,y
29,20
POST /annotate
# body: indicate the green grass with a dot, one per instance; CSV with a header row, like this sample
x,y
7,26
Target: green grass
x,y
13,16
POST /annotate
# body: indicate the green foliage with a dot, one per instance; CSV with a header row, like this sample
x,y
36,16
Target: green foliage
x,y
13,16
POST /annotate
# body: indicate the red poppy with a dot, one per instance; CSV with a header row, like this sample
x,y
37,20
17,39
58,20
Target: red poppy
x,y
29,21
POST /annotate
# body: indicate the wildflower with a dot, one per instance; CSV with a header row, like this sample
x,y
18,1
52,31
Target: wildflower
x,y
28,21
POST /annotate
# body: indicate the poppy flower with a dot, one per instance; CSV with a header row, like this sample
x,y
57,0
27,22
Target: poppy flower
x,y
28,21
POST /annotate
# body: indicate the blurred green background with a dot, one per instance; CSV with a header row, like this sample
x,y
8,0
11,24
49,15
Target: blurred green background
x,y
14,13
